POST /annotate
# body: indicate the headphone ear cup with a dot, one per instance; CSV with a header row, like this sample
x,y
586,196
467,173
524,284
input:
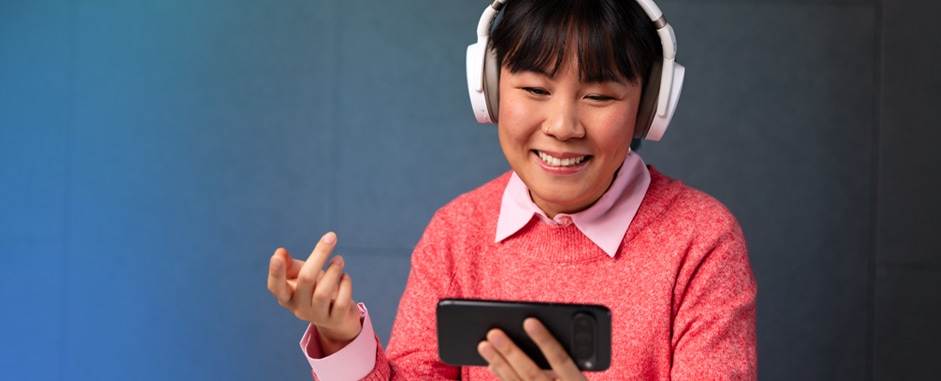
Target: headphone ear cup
x,y
647,109
661,121
477,81
491,78
649,125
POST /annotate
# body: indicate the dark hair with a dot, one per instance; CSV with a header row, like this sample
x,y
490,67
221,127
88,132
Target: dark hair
x,y
615,38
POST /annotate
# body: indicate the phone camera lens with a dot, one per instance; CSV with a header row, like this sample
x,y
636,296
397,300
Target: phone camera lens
x,y
582,350
583,339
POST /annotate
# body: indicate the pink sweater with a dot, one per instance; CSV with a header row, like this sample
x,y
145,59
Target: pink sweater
x,y
680,289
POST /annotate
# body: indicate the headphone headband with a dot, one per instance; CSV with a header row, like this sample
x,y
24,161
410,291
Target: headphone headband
x,y
659,97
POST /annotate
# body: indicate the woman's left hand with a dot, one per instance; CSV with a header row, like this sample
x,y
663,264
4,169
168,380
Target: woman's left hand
x,y
509,363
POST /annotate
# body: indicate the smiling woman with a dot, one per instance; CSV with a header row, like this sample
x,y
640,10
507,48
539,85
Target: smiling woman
x,y
579,219
568,100
565,138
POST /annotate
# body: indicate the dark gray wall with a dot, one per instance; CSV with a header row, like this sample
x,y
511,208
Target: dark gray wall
x,y
907,173
154,154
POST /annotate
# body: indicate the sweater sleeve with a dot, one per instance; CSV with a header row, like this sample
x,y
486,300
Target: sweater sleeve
x,y
714,310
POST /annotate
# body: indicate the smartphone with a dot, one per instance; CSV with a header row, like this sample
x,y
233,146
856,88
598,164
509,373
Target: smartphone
x,y
583,329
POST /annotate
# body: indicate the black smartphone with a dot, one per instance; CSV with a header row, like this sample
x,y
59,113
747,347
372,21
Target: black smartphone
x,y
583,329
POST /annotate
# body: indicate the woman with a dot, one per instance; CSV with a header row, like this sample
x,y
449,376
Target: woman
x,y
580,218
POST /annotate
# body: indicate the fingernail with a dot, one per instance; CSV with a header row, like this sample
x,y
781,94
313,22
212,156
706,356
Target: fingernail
x,y
330,237
497,339
531,326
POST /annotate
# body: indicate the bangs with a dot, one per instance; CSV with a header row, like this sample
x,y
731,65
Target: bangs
x,y
538,35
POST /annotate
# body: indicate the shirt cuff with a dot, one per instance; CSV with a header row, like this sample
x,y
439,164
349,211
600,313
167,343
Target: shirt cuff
x,y
356,360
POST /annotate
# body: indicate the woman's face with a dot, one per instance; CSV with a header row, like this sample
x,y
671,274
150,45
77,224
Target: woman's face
x,y
563,137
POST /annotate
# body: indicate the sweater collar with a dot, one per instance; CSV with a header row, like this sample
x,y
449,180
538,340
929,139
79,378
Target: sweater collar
x,y
604,223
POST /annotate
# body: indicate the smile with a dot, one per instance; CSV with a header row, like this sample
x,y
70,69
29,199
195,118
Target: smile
x,y
556,162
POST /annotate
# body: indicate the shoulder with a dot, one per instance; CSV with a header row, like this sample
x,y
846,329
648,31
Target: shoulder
x,y
672,206
691,228
480,203
464,222
469,214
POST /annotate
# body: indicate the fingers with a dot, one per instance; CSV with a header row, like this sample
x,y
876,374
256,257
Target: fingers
x,y
310,271
344,300
555,354
293,266
325,293
277,277
497,365
318,257
507,361
323,297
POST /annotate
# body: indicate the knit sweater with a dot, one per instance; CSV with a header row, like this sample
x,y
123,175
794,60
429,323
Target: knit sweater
x,y
680,288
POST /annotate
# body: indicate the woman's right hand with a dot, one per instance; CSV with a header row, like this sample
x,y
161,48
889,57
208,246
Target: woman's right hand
x,y
322,297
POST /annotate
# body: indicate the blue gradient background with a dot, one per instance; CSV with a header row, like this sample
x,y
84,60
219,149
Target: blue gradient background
x,y
153,154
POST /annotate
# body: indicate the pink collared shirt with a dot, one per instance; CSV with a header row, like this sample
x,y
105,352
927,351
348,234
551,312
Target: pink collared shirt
x,y
604,223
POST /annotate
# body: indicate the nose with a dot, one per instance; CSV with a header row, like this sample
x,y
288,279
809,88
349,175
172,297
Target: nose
x,y
562,121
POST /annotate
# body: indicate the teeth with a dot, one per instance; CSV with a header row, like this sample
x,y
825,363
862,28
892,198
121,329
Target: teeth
x,y
556,162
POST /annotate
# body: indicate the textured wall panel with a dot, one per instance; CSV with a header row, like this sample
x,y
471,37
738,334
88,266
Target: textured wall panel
x,y
34,138
907,304
909,159
776,122
906,316
199,147
408,140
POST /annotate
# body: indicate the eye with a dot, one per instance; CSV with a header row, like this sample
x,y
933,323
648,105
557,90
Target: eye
x,y
535,91
599,97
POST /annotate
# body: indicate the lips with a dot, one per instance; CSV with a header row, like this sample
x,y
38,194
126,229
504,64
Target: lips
x,y
560,162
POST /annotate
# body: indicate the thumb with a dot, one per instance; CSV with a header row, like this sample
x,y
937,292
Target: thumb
x,y
277,284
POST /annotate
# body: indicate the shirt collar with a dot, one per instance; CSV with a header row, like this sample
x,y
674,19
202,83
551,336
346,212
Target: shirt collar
x,y
604,223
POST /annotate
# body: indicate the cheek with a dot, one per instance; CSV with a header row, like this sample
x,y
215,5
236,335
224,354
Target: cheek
x,y
515,126
614,126
511,141
510,109
614,133
514,150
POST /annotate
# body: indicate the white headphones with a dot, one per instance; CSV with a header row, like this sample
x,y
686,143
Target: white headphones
x,y
657,103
